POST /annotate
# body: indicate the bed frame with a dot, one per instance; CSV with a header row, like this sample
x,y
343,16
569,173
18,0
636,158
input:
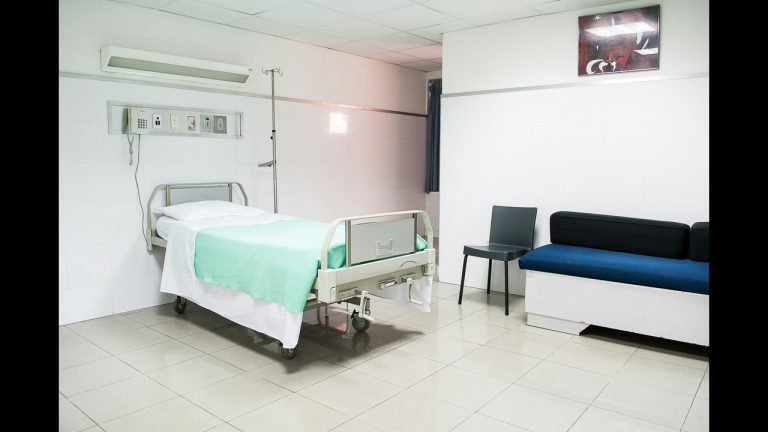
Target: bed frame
x,y
353,283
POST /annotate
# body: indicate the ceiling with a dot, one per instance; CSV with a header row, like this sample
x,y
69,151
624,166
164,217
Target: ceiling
x,y
403,32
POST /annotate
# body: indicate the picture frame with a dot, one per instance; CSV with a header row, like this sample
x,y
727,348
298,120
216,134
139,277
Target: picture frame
x,y
622,41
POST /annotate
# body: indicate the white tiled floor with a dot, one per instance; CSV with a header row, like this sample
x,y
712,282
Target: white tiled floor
x,y
458,368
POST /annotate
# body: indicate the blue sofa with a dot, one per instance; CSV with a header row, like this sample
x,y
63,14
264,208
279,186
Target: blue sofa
x,y
639,275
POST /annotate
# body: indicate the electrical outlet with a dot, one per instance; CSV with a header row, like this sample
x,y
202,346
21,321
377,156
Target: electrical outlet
x,y
219,124
191,126
175,122
157,121
206,123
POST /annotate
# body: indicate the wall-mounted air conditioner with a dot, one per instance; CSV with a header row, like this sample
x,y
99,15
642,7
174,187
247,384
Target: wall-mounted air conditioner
x,y
132,61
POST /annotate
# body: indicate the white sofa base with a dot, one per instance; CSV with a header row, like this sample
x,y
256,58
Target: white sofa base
x,y
569,304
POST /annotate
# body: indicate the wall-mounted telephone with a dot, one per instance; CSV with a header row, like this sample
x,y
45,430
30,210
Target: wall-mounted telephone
x,y
138,120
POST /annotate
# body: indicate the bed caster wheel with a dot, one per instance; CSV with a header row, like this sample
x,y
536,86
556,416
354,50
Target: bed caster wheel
x,y
179,305
359,324
288,353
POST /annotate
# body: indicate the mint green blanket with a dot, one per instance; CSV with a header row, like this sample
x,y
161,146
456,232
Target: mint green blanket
x,y
275,262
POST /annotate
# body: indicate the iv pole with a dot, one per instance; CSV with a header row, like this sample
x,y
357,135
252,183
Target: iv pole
x,y
273,162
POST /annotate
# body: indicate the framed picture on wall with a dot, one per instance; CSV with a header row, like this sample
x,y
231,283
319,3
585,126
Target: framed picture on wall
x,y
621,41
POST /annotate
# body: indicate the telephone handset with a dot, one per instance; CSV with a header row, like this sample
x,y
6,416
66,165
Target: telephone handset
x,y
138,120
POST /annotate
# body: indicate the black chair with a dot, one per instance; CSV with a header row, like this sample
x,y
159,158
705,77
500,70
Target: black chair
x,y
511,237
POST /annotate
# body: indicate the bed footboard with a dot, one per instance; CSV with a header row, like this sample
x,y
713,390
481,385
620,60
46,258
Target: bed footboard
x,y
393,262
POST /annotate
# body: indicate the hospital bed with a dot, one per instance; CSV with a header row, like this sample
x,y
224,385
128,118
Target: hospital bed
x,y
381,255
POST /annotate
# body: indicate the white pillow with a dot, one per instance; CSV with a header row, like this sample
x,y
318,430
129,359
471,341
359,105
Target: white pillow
x,y
196,210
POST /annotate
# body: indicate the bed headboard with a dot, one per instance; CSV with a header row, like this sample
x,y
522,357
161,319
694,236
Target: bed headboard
x,y
178,193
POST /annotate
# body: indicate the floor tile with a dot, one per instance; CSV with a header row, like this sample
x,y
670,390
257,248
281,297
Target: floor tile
x,y
600,420
526,343
494,317
159,356
319,345
497,363
68,337
84,352
439,348
94,429
209,341
78,379
467,307
183,326
236,396
672,356
647,403
479,422
571,383
355,426
425,321
703,391
299,373
524,327
153,315
350,392
349,353
106,326
534,410
590,358
306,416
194,374
386,311
249,357
130,340
71,419
698,417
460,387
443,290
391,334
471,331
668,376
224,427
399,368
600,341
121,398
173,415
411,411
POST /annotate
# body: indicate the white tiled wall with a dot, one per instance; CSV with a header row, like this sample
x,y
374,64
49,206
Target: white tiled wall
x,y
104,267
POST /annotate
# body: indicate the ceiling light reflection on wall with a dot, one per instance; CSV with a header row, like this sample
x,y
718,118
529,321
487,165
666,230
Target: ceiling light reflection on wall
x,y
338,123
620,29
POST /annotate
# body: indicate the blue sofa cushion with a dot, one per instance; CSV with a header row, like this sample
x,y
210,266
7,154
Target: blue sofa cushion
x,y
676,274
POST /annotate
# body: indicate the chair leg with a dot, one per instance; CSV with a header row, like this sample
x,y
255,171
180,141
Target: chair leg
x,y
506,287
463,270
490,267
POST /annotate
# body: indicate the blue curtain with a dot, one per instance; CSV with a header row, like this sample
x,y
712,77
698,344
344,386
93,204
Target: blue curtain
x,y
435,89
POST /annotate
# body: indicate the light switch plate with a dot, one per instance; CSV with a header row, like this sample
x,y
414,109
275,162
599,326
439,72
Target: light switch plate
x,y
219,124
175,122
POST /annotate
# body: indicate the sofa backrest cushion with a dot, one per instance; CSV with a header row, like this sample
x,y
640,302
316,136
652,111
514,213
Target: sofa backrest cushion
x,y
618,233
699,244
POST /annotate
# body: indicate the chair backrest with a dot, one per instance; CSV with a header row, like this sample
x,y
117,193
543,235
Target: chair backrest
x,y
513,225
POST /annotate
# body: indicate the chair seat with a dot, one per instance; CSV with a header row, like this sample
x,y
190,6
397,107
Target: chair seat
x,y
498,252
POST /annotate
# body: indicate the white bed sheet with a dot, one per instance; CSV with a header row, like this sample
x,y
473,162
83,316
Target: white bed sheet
x,y
163,226
179,278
